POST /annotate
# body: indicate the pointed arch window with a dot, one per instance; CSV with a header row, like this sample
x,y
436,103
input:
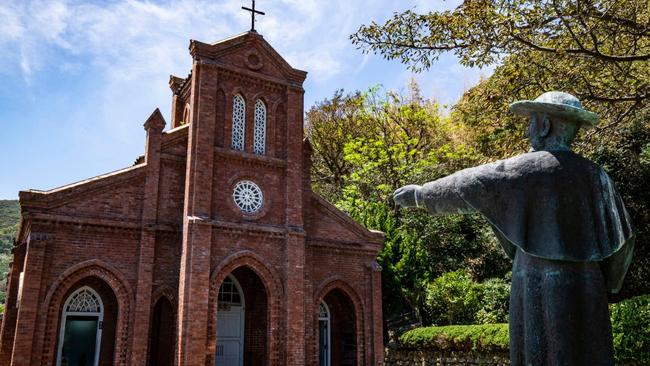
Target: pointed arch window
x,y
238,122
259,142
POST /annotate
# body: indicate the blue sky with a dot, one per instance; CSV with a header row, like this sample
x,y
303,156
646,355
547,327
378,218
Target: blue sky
x,y
79,78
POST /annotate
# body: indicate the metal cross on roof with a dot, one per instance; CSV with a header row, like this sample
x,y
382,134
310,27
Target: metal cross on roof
x,y
253,12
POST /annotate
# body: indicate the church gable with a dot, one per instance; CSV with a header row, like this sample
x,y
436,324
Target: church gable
x,y
323,221
116,195
251,54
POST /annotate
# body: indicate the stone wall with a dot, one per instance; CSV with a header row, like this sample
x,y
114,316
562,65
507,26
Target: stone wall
x,y
430,357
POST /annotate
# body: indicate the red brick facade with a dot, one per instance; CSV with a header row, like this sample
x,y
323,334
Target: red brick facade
x,y
156,240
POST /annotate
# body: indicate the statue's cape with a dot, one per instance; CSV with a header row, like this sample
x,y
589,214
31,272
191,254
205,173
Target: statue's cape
x,y
553,205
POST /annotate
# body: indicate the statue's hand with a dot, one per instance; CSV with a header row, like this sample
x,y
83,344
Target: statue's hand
x,y
405,196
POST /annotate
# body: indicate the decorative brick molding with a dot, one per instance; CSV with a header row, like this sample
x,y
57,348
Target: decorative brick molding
x,y
54,301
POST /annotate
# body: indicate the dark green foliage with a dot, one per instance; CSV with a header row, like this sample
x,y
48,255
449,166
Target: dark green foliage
x,y
631,329
9,220
628,164
483,337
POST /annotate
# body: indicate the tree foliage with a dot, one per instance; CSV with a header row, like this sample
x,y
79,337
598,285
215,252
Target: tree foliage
x,y
9,221
383,141
596,49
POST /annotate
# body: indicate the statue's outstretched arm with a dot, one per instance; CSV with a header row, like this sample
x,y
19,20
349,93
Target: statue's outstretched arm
x,y
438,197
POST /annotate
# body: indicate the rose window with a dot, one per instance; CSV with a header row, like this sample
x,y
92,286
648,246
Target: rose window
x,y
248,196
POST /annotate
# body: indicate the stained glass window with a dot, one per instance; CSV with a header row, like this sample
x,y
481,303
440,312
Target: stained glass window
x,y
238,122
84,300
259,143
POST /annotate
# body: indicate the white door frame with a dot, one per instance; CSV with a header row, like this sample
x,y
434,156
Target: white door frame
x,y
65,313
328,319
243,317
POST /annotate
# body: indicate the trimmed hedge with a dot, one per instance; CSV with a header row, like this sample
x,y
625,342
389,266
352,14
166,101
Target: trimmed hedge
x,y
481,337
630,328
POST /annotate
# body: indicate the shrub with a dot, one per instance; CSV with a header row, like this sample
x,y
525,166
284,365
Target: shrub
x,y
453,298
495,297
483,337
631,329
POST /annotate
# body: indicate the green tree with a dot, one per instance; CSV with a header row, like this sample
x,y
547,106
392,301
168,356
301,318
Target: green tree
x,y
387,140
596,49
332,123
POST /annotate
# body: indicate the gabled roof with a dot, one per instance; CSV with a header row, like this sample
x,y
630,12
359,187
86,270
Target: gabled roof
x,y
238,43
79,190
341,218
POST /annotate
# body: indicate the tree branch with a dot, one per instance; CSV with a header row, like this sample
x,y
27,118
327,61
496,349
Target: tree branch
x,y
597,55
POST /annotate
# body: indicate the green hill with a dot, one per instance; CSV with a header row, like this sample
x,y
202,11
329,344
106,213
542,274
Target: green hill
x,y
9,220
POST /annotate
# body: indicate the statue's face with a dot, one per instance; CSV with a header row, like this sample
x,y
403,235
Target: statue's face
x,y
538,129
546,134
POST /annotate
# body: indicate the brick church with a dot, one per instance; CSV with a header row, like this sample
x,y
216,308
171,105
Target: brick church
x,y
211,250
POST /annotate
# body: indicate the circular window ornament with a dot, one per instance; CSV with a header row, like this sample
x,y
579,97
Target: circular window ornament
x,y
253,60
248,196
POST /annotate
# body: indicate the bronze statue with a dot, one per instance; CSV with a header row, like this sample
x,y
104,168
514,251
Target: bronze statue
x,y
560,219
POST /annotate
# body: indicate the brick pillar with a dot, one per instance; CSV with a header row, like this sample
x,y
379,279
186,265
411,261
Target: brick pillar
x,y
29,300
11,311
376,316
194,280
295,295
154,127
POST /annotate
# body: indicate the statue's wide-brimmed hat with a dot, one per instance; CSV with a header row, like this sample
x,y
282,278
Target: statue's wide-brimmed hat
x,y
557,104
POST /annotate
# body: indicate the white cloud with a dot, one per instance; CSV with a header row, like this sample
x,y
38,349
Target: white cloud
x,y
133,45
126,49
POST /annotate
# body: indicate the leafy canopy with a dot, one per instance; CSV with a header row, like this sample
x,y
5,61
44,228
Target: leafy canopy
x,y
596,49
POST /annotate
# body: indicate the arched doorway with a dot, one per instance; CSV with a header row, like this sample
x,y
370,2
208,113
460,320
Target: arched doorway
x,y
81,329
163,335
242,320
81,340
342,329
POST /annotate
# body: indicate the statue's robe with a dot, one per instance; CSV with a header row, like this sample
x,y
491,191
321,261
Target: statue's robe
x,y
560,219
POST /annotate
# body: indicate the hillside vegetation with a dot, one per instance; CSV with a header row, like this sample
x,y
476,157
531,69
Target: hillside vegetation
x,y
9,220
